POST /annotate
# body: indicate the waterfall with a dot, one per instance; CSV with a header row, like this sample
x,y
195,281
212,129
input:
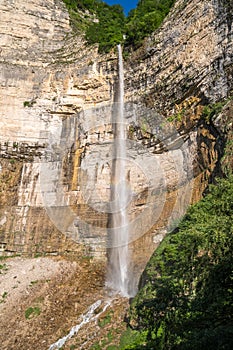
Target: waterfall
x,y
118,256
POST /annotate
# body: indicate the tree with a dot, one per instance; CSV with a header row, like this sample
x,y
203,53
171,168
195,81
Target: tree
x,y
186,299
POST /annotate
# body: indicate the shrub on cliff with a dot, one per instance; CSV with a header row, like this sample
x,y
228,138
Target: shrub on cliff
x,y
185,301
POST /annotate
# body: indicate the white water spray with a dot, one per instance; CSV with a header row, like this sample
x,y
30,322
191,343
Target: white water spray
x,y
118,274
86,318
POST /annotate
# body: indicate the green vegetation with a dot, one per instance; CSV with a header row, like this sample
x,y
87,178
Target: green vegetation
x,y
176,117
33,282
212,110
5,257
107,25
80,19
106,320
186,299
145,19
3,267
31,312
130,339
29,103
3,298
100,22
108,32
95,346
227,160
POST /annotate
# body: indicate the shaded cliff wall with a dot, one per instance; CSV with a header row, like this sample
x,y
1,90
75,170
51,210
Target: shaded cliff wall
x,y
56,126
190,55
183,66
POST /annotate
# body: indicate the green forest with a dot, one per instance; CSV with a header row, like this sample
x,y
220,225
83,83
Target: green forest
x,y
108,26
186,297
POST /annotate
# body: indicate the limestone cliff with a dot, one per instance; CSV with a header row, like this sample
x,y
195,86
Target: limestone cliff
x,y
47,76
190,55
57,101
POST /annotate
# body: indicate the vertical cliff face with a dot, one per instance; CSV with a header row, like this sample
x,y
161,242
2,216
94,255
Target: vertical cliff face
x,y
47,76
190,55
58,99
46,72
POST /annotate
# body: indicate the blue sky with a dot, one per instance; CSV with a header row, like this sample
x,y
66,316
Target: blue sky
x,y
126,4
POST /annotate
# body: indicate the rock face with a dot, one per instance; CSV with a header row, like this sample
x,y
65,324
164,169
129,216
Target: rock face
x,y
58,99
47,76
190,55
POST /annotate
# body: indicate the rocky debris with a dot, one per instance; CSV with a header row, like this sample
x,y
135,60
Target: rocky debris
x,y
42,298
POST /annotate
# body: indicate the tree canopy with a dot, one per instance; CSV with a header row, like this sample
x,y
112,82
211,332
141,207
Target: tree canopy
x,y
108,26
109,30
145,19
186,296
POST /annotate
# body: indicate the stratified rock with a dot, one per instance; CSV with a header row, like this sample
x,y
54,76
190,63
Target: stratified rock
x,y
58,97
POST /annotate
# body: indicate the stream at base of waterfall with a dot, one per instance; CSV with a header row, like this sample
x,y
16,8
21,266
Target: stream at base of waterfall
x,y
89,316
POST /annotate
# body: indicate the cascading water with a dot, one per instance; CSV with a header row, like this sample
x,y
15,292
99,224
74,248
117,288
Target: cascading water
x,y
85,319
118,257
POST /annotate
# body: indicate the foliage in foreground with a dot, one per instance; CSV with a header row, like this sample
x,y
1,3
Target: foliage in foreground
x,y
186,299
107,25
